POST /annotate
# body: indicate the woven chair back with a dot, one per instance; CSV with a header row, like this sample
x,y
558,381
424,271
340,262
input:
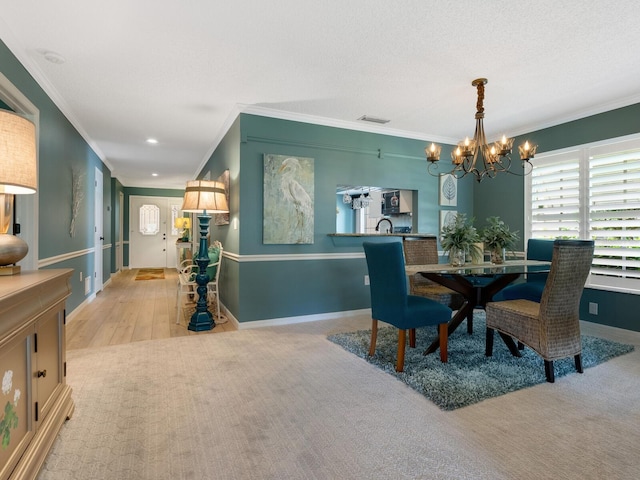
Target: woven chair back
x,y
420,251
560,303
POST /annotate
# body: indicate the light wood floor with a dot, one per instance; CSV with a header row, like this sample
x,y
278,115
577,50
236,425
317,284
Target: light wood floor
x,y
129,310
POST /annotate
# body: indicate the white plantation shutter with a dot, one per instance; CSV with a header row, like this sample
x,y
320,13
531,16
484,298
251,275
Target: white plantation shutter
x,y
592,192
555,196
614,214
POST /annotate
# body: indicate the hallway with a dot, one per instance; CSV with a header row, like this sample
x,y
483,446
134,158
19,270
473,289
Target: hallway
x,y
130,310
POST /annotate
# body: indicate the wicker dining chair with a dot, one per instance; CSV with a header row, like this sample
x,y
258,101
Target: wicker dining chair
x,y
552,327
390,302
424,251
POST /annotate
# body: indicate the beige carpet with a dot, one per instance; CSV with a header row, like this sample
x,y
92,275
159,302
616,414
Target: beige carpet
x,y
285,403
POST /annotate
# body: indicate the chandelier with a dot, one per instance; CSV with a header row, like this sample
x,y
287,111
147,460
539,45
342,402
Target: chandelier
x,y
476,156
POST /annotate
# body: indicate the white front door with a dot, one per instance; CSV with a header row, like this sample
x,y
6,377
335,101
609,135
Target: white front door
x,y
152,234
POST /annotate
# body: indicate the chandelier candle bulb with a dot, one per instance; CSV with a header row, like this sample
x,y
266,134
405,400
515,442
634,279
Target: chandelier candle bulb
x,y
433,152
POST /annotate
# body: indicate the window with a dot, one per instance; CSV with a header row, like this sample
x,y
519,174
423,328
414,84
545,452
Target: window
x,y
592,192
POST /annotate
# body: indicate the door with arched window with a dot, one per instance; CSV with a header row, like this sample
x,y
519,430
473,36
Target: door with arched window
x,y
152,234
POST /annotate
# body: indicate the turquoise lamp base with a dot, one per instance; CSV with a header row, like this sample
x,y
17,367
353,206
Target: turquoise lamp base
x,y
202,318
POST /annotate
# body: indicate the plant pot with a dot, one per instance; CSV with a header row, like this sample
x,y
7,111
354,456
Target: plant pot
x,y
457,257
497,256
479,258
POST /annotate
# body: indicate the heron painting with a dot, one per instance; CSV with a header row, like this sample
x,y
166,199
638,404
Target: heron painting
x,y
288,200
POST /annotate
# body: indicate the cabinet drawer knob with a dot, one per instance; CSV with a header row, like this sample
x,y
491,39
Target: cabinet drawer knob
x,y
42,373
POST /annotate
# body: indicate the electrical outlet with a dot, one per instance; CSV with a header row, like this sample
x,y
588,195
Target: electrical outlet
x,y
593,308
366,279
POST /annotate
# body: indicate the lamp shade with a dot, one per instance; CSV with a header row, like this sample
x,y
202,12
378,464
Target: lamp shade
x,y
182,222
18,171
205,195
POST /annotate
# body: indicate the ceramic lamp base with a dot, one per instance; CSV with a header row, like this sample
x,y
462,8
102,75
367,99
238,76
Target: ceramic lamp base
x,y
12,249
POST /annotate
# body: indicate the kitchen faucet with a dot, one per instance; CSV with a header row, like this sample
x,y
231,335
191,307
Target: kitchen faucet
x,y
389,230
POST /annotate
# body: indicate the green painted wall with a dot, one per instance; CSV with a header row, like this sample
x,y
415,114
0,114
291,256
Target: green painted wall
x,y
61,149
261,290
227,157
504,196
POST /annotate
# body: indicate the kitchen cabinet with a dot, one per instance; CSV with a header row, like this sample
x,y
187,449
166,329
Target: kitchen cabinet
x,y
35,400
396,202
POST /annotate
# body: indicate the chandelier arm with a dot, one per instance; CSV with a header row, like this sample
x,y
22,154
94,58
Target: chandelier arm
x,y
495,159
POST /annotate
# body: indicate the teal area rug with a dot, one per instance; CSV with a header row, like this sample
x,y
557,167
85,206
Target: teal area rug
x,y
469,377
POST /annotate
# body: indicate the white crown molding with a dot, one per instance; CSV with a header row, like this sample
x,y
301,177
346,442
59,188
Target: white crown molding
x,y
34,70
345,124
578,115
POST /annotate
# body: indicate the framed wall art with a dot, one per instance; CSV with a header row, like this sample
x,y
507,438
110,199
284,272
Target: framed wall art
x,y
288,200
448,190
223,218
447,217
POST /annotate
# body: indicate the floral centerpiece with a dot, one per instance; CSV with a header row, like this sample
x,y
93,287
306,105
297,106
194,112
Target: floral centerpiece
x,y
459,237
497,238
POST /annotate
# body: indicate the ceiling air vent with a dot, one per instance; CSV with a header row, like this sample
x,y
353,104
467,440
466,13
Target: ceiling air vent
x,y
369,118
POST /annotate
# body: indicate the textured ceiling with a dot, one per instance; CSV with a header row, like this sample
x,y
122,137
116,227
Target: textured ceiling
x,y
181,71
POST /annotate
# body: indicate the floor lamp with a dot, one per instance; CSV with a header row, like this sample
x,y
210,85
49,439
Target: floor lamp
x,y
18,175
203,197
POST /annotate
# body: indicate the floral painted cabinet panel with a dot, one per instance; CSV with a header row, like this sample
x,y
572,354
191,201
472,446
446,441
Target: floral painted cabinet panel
x,y
16,426
34,400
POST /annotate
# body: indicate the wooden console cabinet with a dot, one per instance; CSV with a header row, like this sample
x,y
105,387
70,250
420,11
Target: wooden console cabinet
x,y
34,398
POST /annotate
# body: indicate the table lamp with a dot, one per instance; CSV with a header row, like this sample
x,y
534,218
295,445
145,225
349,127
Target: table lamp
x,y
18,175
203,197
185,224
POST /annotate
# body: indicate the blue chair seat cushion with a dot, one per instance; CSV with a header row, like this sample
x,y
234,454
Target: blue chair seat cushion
x,y
527,291
424,312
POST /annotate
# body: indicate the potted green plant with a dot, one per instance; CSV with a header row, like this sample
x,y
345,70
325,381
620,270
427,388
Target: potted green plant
x,y
497,238
459,237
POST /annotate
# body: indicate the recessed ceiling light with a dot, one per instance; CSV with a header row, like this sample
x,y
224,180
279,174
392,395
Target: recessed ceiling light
x,y
152,141
52,57
154,174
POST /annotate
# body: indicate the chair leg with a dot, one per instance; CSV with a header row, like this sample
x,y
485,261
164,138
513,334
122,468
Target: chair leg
x,y
548,370
412,338
578,361
402,342
178,307
444,341
374,337
470,322
488,351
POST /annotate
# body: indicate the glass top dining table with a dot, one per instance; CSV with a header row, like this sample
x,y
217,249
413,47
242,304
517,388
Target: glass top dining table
x,y
477,283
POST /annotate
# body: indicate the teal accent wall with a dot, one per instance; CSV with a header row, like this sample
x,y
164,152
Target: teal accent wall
x,y
287,285
504,196
61,148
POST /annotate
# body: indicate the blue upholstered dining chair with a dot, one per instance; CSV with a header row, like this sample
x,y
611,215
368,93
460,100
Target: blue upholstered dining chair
x,y
531,289
390,302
